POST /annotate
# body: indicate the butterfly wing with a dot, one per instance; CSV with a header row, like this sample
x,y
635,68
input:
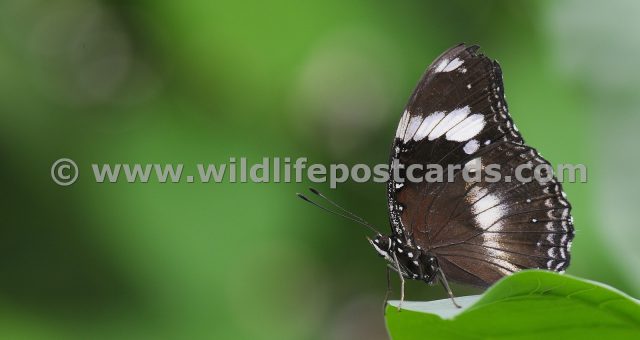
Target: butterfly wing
x,y
457,109
460,98
496,228
456,114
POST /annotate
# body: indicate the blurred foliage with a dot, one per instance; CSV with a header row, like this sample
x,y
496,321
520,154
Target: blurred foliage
x,y
201,81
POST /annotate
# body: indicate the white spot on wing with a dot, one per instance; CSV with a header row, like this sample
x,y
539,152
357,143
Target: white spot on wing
x,y
471,146
412,127
442,65
427,125
447,66
402,126
449,121
466,129
487,211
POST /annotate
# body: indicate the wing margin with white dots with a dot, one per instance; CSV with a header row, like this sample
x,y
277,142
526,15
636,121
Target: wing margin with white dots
x,y
496,228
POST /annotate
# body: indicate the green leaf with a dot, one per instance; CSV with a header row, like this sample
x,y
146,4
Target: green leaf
x,y
527,305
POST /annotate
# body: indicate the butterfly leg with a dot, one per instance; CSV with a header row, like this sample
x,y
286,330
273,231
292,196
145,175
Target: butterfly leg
x,y
445,284
395,258
386,295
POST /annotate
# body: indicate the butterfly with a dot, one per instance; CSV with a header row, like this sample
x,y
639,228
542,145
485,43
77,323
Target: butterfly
x,y
471,232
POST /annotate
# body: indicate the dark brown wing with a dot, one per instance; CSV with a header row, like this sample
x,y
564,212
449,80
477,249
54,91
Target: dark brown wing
x,y
456,110
478,231
485,230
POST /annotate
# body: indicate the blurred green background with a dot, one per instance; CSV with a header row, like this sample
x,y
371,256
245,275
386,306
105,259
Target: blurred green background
x,y
201,81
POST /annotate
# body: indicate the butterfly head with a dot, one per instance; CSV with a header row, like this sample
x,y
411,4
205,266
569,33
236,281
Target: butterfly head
x,y
413,262
382,244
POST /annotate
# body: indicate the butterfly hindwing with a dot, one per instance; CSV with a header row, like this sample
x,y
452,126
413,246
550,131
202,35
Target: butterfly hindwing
x,y
496,228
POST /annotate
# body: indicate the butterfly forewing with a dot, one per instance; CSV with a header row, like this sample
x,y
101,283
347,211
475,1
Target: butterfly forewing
x,y
458,106
479,231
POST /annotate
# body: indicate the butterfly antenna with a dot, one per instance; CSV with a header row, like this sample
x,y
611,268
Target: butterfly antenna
x,y
345,214
318,193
